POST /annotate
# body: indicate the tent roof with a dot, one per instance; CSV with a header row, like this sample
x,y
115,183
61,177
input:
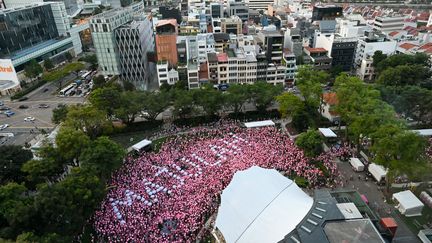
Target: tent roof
x,y
424,132
259,124
327,132
261,205
389,222
407,199
141,144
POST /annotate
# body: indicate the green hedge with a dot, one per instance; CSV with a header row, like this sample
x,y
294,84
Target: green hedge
x,y
195,121
60,73
255,115
22,93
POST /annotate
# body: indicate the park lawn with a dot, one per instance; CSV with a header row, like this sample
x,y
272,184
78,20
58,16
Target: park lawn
x,y
62,72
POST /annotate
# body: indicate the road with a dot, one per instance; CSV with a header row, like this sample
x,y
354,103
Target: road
x,y
24,131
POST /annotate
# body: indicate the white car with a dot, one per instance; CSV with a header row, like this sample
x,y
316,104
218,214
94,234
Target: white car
x,y
4,126
29,118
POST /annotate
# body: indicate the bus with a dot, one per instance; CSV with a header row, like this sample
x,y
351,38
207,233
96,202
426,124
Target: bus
x,y
85,75
67,90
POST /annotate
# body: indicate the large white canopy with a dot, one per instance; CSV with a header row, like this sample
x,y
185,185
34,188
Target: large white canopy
x,y
265,123
327,132
141,144
261,205
377,171
409,204
424,132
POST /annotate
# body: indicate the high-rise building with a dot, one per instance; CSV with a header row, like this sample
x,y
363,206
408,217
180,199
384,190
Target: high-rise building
x,y
70,5
134,41
216,10
238,8
166,41
103,26
25,27
389,23
259,4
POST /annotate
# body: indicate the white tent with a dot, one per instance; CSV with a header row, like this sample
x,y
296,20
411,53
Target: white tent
x,y
356,164
260,205
423,132
409,204
265,123
327,132
377,171
141,144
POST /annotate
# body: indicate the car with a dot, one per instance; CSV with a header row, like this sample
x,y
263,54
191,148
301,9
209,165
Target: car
x,y
23,98
43,106
9,113
45,90
4,126
1,103
23,107
4,108
29,119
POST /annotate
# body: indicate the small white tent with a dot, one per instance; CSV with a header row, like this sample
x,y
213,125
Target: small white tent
x,y
262,206
142,144
409,204
377,171
356,164
327,132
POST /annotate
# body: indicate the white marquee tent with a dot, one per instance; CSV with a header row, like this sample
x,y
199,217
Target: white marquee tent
x,y
327,132
377,171
265,123
409,204
260,205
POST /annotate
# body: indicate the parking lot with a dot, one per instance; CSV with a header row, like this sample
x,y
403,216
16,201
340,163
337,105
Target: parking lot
x,y
24,131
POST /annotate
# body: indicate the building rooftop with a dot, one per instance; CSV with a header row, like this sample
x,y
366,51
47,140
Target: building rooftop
x,y
222,57
407,46
166,22
221,37
34,48
330,98
315,50
271,33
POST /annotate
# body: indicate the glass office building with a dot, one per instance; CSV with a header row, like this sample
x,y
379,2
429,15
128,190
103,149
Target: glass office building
x,y
25,27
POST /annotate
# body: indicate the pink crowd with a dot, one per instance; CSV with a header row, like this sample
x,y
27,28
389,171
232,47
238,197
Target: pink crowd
x,y
168,196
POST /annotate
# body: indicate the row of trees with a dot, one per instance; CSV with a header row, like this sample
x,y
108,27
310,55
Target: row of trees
x,y
405,82
51,199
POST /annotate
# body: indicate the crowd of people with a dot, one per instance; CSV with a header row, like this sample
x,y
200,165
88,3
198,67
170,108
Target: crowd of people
x,y
169,195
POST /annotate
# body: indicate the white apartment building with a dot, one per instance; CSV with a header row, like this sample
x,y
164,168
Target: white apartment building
x,y
259,4
289,59
205,44
102,28
347,27
372,42
366,70
388,23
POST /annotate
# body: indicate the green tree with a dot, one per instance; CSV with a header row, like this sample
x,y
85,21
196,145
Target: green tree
x,y
401,151
181,84
64,207
264,94
106,99
131,106
92,60
301,120
99,82
42,170
236,96
209,99
128,86
88,119
103,156
16,211
12,157
310,81
411,74
378,57
71,142
59,113
289,104
48,64
311,143
155,103
183,103
32,69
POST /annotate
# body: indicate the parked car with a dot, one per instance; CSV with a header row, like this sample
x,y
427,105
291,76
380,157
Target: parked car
x,y
23,107
1,103
43,106
9,113
29,119
4,126
4,108
45,90
23,98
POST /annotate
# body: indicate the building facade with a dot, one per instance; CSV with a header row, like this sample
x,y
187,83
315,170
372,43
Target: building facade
x,y
166,41
259,4
103,33
238,8
330,12
134,41
232,25
389,23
